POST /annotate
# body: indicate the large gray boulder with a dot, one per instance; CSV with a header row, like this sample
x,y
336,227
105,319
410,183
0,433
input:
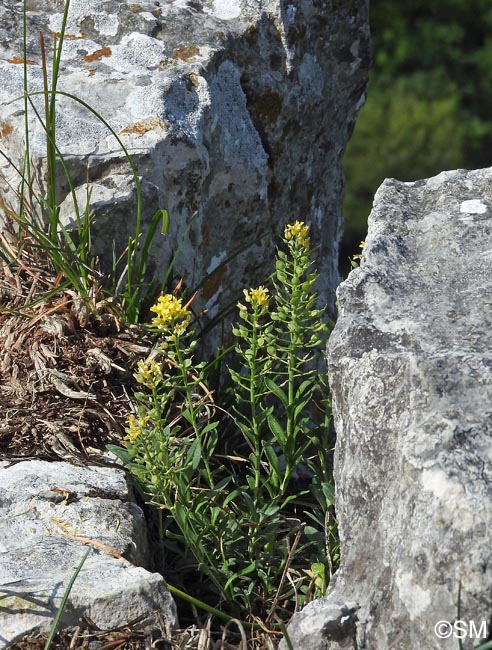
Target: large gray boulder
x,y
238,111
410,364
50,514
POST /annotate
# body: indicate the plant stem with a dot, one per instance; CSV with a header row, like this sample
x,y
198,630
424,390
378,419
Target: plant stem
x,y
208,608
191,407
253,403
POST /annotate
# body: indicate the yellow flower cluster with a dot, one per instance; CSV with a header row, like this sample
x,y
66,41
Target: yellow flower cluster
x,y
135,427
149,372
258,297
358,256
298,231
170,309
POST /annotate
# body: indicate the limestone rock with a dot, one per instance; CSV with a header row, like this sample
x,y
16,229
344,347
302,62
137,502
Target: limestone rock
x,y
236,111
411,374
44,507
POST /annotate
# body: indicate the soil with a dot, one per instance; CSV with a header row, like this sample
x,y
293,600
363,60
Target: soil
x,y
64,389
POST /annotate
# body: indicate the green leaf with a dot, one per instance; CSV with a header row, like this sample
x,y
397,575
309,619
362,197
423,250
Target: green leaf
x,y
305,385
300,406
63,604
271,509
329,493
230,497
209,427
277,391
194,455
244,572
274,462
215,514
120,452
277,430
313,534
164,214
251,481
221,485
289,499
248,502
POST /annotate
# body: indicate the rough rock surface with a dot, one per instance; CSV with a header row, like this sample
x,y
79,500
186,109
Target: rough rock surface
x,y
238,111
43,508
411,374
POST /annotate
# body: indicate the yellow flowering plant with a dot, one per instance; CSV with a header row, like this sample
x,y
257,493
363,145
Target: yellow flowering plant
x,y
252,335
280,403
167,440
170,313
136,427
356,257
257,297
298,232
232,489
149,372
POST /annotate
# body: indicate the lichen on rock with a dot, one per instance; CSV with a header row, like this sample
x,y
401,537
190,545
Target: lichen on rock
x,y
238,112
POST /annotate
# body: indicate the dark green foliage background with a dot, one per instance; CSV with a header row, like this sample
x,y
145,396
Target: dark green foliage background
x,y
429,105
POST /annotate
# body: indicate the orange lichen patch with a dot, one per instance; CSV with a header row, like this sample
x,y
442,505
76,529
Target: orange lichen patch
x,y
70,37
5,129
157,12
186,53
135,8
213,283
98,54
92,72
143,127
18,60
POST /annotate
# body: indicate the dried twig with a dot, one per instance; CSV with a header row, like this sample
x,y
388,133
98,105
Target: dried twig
x,y
86,540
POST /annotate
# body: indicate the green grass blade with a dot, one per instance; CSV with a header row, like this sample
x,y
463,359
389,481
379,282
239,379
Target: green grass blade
x,y
27,158
458,612
63,604
52,207
161,216
50,139
287,640
26,181
133,298
51,114
57,56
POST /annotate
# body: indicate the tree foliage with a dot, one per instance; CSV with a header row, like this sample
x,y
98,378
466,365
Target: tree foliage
x,y
429,105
